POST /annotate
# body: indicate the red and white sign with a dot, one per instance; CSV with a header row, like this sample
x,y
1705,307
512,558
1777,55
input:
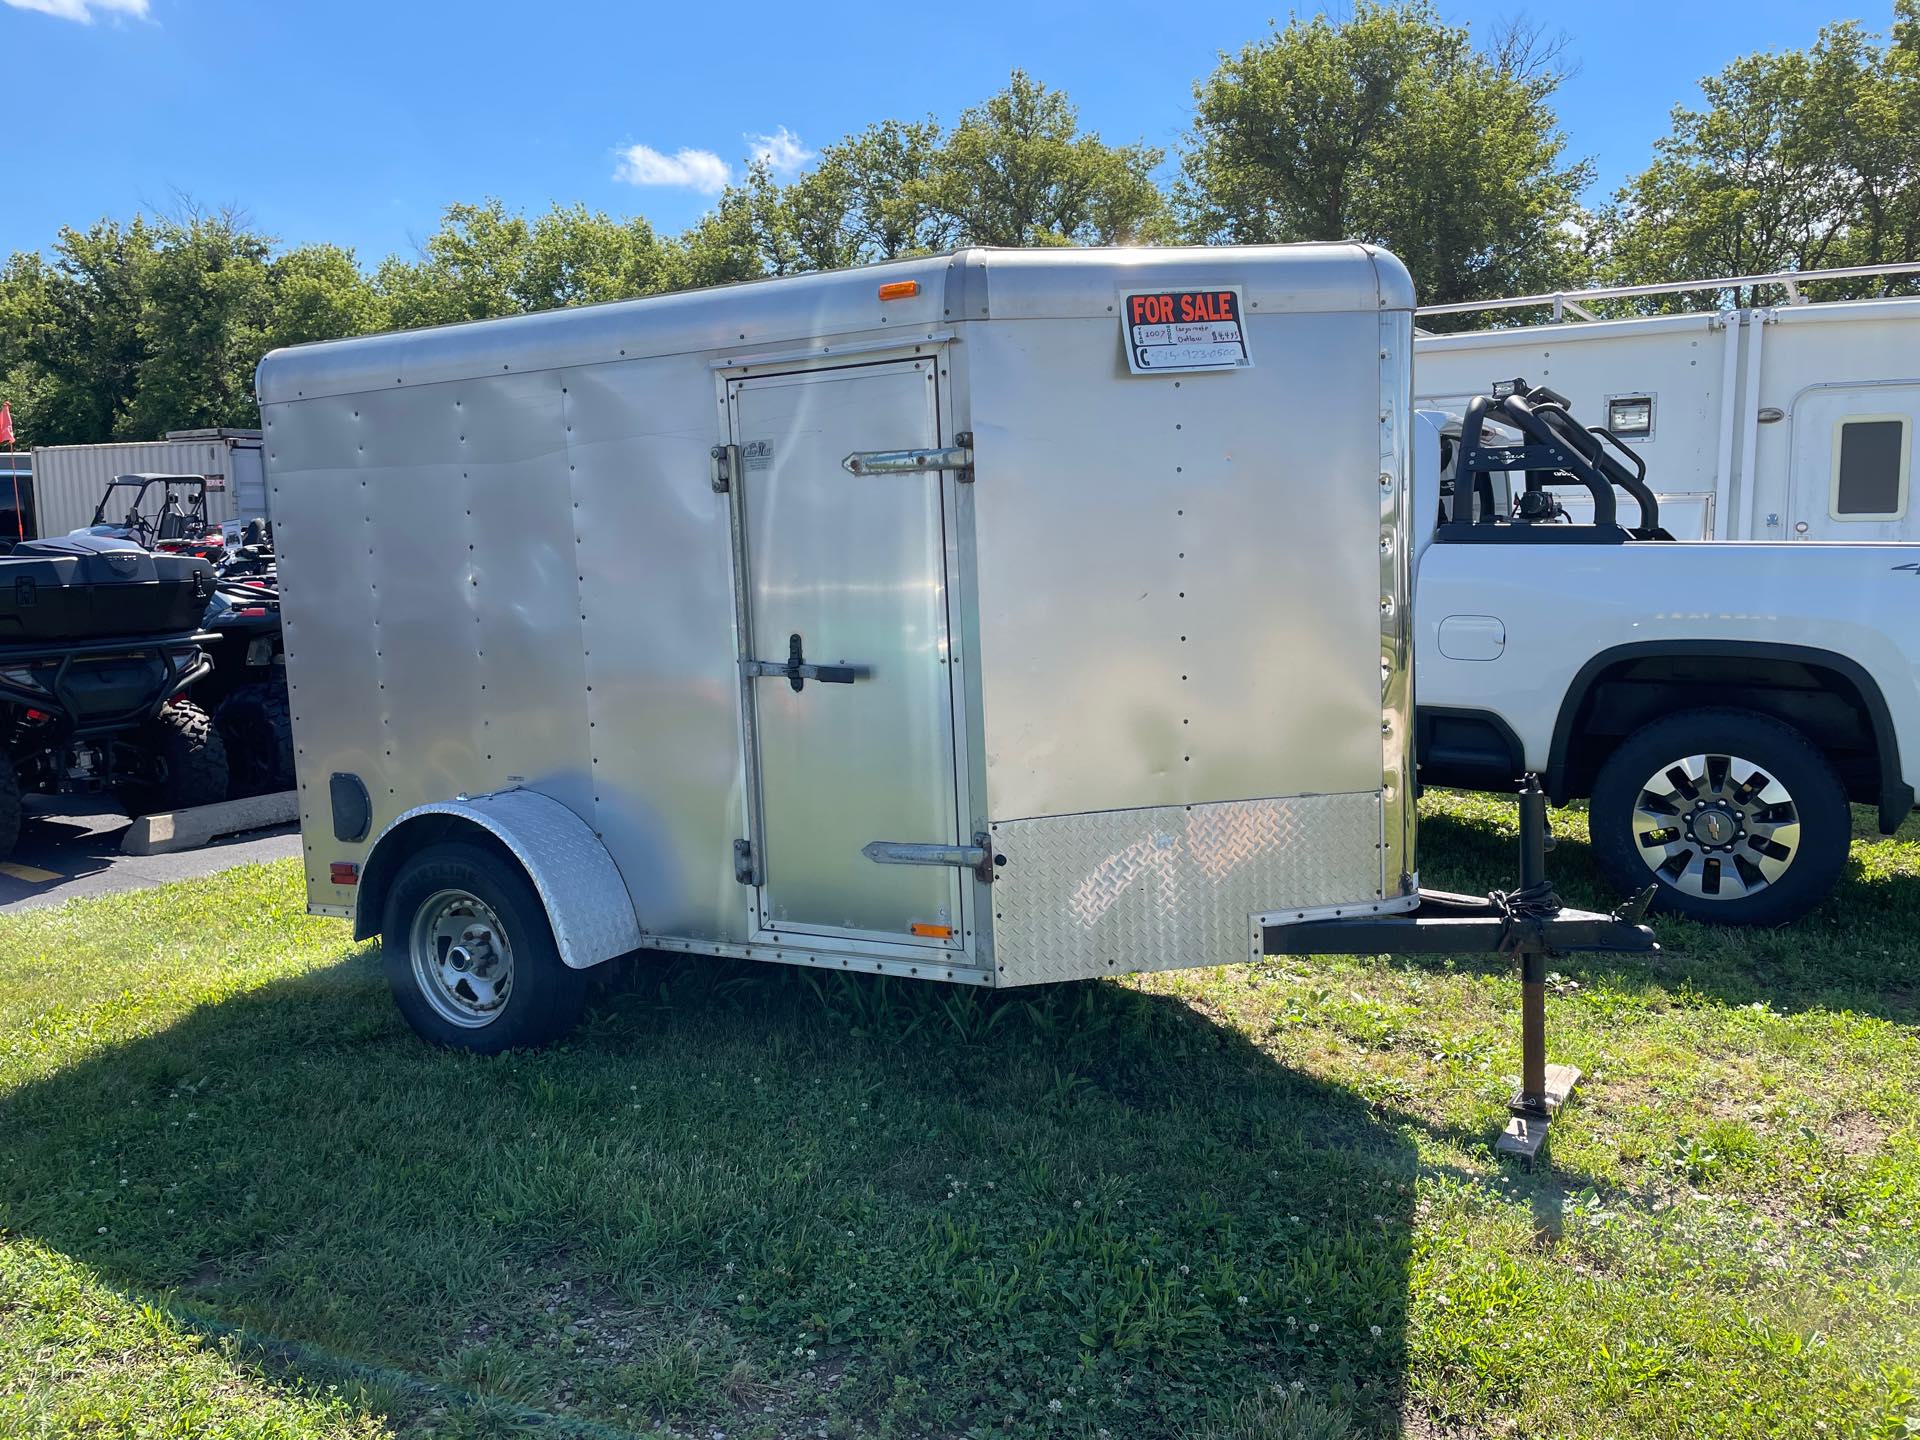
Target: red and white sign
x,y
1176,330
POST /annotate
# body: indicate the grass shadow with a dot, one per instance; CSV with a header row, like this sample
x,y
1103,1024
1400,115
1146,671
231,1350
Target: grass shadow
x,y
755,1199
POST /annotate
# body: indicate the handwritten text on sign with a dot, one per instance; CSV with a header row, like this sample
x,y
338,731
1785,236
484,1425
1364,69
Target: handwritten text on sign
x,y
1171,330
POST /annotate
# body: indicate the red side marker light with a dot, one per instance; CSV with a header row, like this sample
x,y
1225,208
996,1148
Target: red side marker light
x,y
344,872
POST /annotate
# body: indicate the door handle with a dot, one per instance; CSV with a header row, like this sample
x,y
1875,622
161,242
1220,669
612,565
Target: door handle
x,y
977,857
797,669
958,456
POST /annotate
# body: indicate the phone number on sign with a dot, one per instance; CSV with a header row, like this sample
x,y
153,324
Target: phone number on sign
x,y
1162,356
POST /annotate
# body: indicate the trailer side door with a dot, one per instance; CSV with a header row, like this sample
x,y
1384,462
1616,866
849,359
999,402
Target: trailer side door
x,y
1852,466
845,574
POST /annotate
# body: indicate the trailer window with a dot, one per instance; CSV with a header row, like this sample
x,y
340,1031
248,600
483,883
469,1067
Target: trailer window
x,y
1871,455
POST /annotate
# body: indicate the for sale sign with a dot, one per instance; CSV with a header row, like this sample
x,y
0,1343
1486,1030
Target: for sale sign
x,y
1173,330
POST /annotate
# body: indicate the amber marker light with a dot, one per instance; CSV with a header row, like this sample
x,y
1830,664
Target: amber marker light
x,y
899,289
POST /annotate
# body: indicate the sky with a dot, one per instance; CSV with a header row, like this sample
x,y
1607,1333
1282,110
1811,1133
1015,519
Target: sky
x,y
358,122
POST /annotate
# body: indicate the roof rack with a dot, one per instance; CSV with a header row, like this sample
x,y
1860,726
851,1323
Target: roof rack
x,y
1564,303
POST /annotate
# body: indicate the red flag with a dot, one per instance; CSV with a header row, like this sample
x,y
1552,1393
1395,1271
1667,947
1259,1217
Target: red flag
x,y
6,423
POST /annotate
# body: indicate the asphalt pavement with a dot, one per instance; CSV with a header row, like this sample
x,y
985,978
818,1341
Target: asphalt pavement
x,y
70,848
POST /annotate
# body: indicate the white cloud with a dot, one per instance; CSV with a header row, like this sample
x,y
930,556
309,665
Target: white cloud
x,y
782,150
700,170
83,10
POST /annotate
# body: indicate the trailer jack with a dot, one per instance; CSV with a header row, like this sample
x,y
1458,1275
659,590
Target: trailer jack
x,y
1528,924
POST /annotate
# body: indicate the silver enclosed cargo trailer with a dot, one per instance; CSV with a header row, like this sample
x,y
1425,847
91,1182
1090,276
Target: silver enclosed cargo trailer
x,y
1001,617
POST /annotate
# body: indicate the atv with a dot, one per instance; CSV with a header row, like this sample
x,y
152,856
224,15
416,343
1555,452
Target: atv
x,y
247,691
156,517
99,642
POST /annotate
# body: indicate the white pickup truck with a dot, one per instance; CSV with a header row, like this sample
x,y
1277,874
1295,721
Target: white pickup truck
x,y
1718,703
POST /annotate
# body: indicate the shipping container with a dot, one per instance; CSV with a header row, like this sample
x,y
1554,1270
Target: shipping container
x,y
68,480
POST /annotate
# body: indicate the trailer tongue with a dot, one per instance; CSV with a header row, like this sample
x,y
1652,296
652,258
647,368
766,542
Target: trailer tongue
x,y
1528,924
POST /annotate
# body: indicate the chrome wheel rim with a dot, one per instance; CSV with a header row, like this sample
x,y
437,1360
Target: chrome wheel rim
x,y
1717,827
462,962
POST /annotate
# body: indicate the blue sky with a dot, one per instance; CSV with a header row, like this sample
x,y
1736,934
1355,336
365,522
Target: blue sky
x,y
358,122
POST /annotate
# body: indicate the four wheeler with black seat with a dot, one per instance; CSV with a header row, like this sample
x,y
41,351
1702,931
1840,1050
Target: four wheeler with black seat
x,y
99,642
247,692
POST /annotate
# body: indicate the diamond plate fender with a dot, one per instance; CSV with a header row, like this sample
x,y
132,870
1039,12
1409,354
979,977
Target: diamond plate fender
x,y
586,900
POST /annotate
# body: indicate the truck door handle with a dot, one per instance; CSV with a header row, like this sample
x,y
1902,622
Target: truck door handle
x,y
797,669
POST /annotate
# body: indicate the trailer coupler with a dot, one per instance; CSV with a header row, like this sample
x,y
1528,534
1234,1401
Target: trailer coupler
x,y
1528,924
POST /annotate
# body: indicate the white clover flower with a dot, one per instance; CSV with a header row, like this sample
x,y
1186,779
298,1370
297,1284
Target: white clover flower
x,y
1376,1331
1055,1406
1314,1328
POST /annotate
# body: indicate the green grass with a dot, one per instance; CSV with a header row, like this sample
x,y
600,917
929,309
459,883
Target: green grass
x,y
238,1198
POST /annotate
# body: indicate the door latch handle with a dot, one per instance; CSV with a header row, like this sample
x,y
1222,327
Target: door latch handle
x,y
957,456
797,669
977,857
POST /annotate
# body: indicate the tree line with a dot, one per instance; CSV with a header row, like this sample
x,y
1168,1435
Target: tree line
x,y
1389,125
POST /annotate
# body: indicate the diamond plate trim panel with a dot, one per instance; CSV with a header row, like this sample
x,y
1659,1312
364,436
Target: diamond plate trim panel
x,y
1161,889
585,898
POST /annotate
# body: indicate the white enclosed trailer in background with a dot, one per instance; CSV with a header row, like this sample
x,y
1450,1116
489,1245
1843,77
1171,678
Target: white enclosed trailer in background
x,y
68,480
1786,422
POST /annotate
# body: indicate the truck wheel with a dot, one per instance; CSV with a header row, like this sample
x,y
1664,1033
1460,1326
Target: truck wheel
x,y
184,762
256,724
470,956
9,807
1736,817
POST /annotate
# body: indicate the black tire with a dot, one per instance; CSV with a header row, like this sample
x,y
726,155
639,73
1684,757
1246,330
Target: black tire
x,y
544,997
1627,850
256,725
9,807
183,762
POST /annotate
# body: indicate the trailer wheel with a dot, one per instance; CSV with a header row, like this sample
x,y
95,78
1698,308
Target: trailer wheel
x,y
470,955
9,807
256,723
1734,816
183,762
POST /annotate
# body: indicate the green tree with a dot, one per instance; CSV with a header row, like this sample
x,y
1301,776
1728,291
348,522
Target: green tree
x,y
469,269
484,261
866,198
1015,170
1798,159
205,303
80,347
319,293
1394,128
1018,170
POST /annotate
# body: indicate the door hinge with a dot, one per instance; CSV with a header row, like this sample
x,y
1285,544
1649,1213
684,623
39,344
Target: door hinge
x,y
744,870
958,456
725,461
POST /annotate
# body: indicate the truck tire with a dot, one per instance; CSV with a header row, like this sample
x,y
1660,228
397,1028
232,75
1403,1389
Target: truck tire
x,y
186,762
470,955
256,725
1734,816
9,807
